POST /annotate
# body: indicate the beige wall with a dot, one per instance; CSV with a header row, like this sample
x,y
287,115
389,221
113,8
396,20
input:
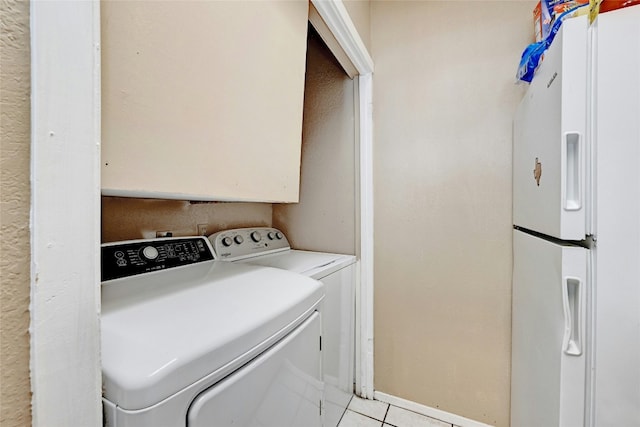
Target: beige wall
x,y
324,220
444,96
130,218
15,390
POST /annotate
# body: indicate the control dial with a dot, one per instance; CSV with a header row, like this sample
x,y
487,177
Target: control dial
x,y
150,253
226,241
278,235
238,239
256,236
271,235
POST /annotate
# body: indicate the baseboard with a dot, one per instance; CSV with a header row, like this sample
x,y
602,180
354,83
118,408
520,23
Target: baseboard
x,y
439,414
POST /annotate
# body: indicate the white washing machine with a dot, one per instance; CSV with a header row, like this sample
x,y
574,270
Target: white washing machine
x,y
190,341
266,246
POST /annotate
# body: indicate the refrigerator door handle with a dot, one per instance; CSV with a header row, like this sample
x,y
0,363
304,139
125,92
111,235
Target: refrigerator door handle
x,y
571,296
572,171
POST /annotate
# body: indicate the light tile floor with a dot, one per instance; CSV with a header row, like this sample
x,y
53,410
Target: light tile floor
x,y
373,413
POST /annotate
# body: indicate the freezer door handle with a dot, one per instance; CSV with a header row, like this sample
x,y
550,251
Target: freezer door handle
x,y
571,297
572,171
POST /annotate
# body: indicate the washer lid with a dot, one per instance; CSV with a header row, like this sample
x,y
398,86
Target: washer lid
x,y
313,264
163,331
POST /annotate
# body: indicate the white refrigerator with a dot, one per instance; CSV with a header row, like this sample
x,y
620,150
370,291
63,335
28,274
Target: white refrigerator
x,y
576,239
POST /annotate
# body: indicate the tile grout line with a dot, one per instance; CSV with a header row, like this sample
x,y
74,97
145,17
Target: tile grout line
x,y
364,415
386,413
417,413
345,411
368,415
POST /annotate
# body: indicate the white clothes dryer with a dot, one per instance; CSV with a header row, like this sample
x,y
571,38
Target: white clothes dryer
x,y
265,246
190,341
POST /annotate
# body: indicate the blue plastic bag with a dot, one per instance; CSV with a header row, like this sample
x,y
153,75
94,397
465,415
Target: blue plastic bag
x,y
533,53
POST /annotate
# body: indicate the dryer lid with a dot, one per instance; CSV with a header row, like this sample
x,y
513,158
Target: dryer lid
x,y
164,331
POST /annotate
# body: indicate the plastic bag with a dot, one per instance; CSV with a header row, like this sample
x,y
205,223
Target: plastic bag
x,y
533,53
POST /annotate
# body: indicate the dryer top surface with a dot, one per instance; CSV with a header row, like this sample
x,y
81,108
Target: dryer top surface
x,y
164,331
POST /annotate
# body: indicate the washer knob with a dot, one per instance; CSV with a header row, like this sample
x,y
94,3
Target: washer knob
x,y
150,252
226,241
238,239
278,235
256,236
271,235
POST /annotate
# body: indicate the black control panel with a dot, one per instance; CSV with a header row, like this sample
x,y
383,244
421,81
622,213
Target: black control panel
x,y
144,256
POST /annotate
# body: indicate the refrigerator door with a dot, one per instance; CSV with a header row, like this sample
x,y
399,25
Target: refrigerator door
x,y
548,369
549,140
617,140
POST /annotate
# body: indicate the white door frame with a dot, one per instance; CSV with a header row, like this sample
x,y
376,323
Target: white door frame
x,y
65,213
65,207
339,22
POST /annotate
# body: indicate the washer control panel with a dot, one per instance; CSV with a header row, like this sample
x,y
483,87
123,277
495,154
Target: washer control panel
x,y
123,259
242,243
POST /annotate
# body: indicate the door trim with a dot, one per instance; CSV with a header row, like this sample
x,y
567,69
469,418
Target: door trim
x,y
341,26
339,22
65,213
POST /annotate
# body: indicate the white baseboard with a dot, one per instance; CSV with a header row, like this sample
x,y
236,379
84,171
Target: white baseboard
x,y
439,414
